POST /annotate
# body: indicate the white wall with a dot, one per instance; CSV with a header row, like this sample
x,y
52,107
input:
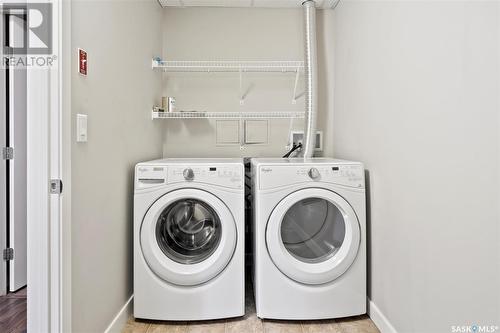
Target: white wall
x,y
121,38
238,34
417,100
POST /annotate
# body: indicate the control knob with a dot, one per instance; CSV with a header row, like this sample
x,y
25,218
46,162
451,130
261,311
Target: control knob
x,y
314,173
188,174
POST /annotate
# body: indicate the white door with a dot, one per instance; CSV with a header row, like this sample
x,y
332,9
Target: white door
x,y
17,167
3,167
188,237
313,236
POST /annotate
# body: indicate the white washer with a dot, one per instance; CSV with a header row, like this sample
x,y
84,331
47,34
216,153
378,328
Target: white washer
x,y
309,238
189,239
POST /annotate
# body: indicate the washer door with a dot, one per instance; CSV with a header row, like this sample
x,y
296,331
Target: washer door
x,y
313,236
188,237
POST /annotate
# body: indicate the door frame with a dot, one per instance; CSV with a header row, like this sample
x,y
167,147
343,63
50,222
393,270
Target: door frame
x,y
49,157
16,172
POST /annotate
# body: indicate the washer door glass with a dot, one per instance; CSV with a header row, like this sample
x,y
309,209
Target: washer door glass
x,y
188,231
313,236
313,230
187,237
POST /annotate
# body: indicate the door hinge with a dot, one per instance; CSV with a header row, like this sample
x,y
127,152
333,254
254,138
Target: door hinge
x,y
56,186
8,153
8,254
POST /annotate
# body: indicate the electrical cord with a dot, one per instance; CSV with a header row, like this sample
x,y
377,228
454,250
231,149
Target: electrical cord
x,y
294,148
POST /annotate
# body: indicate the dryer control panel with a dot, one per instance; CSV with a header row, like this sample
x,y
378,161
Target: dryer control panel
x,y
274,176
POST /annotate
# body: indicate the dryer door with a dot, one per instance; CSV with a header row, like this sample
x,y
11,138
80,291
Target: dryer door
x,y
313,236
188,237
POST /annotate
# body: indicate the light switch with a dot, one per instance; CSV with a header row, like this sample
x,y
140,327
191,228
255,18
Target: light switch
x,y
81,128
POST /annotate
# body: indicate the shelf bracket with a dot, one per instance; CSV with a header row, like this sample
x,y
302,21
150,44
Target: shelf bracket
x,y
242,133
242,94
294,97
289,140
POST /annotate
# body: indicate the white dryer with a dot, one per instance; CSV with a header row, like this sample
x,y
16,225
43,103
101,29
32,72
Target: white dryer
x,y
189,239
309,238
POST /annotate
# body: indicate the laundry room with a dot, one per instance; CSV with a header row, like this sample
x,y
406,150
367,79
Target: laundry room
x,y
257,166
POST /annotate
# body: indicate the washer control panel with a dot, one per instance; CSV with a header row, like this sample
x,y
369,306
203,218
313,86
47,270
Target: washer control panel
x,y
222,175
274,176
148,176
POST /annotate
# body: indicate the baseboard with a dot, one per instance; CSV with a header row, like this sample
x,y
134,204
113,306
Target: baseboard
x,y
380,320
120,320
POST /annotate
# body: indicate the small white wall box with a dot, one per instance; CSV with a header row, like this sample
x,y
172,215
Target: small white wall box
x,y
298,136
256,132
81,128
227,132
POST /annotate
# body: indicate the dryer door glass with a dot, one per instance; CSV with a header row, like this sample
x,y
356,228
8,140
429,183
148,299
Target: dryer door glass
x,y
313,230
188,231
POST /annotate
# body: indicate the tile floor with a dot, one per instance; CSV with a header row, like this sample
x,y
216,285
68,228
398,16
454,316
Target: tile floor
x,y
251,324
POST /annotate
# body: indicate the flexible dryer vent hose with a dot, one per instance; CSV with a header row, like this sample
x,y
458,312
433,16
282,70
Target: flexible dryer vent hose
x,y
311,78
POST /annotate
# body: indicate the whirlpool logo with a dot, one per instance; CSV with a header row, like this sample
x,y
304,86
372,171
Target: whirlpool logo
x,y
474,328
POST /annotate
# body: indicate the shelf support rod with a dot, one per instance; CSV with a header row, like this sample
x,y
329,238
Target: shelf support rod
x,y
294,97
242,133
242,94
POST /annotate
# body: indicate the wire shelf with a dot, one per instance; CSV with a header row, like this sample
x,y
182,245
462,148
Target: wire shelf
x,y
230,66
229,115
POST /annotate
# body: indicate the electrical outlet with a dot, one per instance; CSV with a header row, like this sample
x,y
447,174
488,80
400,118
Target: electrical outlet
x,y
298,137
